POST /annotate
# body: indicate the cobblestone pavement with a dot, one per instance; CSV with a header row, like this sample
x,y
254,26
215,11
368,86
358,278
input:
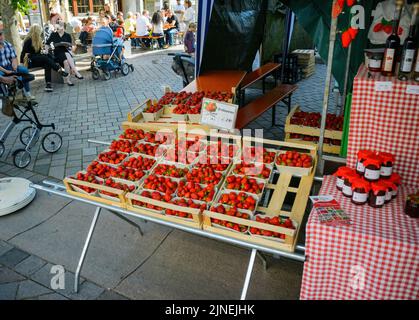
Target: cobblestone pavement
x,y
94,110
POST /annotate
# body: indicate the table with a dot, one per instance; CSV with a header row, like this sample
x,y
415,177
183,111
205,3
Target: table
x,y
217,80
386,121
376,257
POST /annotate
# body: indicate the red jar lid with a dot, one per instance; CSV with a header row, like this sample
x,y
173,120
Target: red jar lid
x,y
351,175
389,184
387,157
361,184
395,178
374,160
363,154
343,170
378,186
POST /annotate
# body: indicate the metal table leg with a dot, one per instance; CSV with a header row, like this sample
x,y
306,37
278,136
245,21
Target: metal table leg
x,y
129,221
273,115
263,259
85,247
248,274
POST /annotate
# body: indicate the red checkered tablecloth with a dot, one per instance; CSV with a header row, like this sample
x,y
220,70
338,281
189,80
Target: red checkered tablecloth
x,y
375,257
387,122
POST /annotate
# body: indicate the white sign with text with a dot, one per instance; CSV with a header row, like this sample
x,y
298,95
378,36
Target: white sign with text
x,y
218,114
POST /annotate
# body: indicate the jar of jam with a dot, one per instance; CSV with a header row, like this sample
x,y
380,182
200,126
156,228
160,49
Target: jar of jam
x,y
377,196
372,168
360,190
340,176
362,156
387,164
347,184
390,188
397,180
412,205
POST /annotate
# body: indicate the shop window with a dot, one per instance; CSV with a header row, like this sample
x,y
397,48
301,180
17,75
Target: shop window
x,y
83,6
97,5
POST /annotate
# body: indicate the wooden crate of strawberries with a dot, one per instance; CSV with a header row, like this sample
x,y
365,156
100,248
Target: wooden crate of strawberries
x,y
304,128
251,205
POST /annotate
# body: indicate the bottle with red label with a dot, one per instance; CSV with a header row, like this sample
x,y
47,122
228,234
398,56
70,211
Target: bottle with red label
x,y
360,191
392,47
362,156
372,168
377,196
347,183
397,180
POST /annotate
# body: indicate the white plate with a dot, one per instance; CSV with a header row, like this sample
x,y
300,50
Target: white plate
x,y
15,193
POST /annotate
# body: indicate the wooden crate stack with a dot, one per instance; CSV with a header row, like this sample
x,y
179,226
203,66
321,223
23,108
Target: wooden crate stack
x,y
306,62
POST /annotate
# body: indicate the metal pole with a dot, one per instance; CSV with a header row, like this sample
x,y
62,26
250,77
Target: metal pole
x,y
248,274
285,43
345,88
85,247
332,37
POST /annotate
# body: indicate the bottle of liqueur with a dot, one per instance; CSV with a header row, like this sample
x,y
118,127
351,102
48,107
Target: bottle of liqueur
x,y
388,66
416,73
407,61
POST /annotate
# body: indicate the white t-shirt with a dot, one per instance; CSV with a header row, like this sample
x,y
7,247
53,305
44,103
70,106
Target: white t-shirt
x,y
179,7
158,28
141,28
189,15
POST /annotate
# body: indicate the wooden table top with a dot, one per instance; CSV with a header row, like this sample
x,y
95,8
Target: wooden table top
x,y
259,73
217,80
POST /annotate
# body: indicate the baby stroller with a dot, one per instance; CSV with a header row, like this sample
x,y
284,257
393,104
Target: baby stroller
x,y
184,66
22,110
107,55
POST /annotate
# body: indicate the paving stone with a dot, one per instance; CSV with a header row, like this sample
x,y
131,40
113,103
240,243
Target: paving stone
x,y
57,172
4,247
51,296
29,289
8,291
12,257
8,275
30,265
87,291
111,295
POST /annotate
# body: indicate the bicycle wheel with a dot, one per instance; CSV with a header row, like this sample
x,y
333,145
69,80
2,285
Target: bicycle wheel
x,y
26,134
21,158
52,142
2,148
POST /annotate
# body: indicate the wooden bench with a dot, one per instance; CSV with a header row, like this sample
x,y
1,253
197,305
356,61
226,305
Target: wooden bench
x,y
256,75
153,40
257,107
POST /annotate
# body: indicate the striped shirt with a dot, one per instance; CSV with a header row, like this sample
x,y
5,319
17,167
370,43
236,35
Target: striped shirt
x,y
7,53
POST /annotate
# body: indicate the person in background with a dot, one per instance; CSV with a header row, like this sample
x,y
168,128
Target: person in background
x,y
32,55
143,27
173,23
129,25
107,9
55,18
87,28
179,10
9,64
189,40
113,24
189,15
120,30
62,53
157,28
120,15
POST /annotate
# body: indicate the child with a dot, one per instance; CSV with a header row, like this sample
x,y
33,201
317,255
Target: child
x,y
189,40
119,33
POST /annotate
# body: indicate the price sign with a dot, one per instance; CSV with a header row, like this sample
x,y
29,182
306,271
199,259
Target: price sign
x,y
218,114
412,89
383,86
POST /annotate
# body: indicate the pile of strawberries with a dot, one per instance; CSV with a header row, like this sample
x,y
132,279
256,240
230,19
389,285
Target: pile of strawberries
x,y
170,171
245,184
159,137
181,109
238,200
313,119
234,212
103,171
305,137
116,185
155,195
220,149
167,98
276,221
252,170
161,184
153,108
112,157
196,192
139,162
126,146
257,154
88,177
147,148
295,159
215,163
181,97
204,175
187,203
133,134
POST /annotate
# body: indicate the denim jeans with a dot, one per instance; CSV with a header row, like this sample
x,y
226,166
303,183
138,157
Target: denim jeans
x,y
170,36
20,69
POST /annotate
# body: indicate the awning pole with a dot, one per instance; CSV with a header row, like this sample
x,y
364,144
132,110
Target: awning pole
x,y
332,39
345,88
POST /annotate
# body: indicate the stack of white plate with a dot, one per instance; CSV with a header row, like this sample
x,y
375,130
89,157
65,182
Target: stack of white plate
x,y
15,193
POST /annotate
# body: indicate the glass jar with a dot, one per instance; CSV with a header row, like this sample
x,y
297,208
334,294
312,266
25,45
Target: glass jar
x,y
377,196
362,156
386,165
412,205
397,180
360,190
372,168
347,184
340,176
389,191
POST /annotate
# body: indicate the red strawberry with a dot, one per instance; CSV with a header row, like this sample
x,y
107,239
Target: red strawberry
x,y
378,27
346,39
388,29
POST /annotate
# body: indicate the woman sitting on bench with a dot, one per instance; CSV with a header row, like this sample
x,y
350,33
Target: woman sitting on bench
x,y
33,57
62,52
